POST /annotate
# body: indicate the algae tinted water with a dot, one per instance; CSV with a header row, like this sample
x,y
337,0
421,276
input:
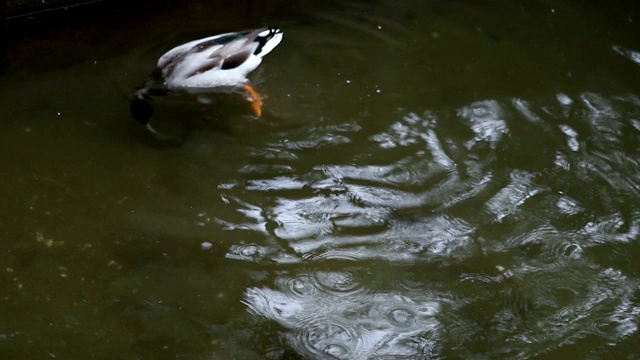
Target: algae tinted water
x,y
430,180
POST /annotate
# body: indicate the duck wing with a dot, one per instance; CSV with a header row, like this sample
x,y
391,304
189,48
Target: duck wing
x,y
228,52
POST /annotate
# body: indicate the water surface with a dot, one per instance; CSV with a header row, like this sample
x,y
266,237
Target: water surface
x,y
430,180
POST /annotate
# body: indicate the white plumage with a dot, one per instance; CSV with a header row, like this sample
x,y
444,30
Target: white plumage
x,y
220,60
208,64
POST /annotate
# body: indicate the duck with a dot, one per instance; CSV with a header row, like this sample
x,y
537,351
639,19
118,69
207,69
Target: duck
x,y
209,64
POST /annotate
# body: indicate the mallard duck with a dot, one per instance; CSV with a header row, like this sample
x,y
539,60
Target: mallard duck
x,y
208,64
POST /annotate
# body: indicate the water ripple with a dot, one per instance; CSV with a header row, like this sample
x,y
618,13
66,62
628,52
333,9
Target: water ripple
x,y
416,129
338,282
249,252
279,183
572,136
487,122
322,337
358,327
481,252
628,53
569,206
612,229
510,198
320,215
299,287
524,107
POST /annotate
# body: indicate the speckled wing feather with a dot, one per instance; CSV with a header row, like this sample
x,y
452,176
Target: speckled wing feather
x,y
236,52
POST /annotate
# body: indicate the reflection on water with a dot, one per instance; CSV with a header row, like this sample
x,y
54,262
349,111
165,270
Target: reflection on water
x,y
429,181
515,245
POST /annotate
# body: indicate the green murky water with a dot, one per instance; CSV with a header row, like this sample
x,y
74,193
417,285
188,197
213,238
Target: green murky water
x,y
430,180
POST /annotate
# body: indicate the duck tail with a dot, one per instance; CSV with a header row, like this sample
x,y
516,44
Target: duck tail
x,y
267,40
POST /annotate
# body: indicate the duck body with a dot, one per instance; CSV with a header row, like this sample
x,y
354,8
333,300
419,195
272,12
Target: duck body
x,y
216,61
210,64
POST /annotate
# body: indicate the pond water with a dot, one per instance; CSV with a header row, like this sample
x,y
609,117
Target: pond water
x,y
429,180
